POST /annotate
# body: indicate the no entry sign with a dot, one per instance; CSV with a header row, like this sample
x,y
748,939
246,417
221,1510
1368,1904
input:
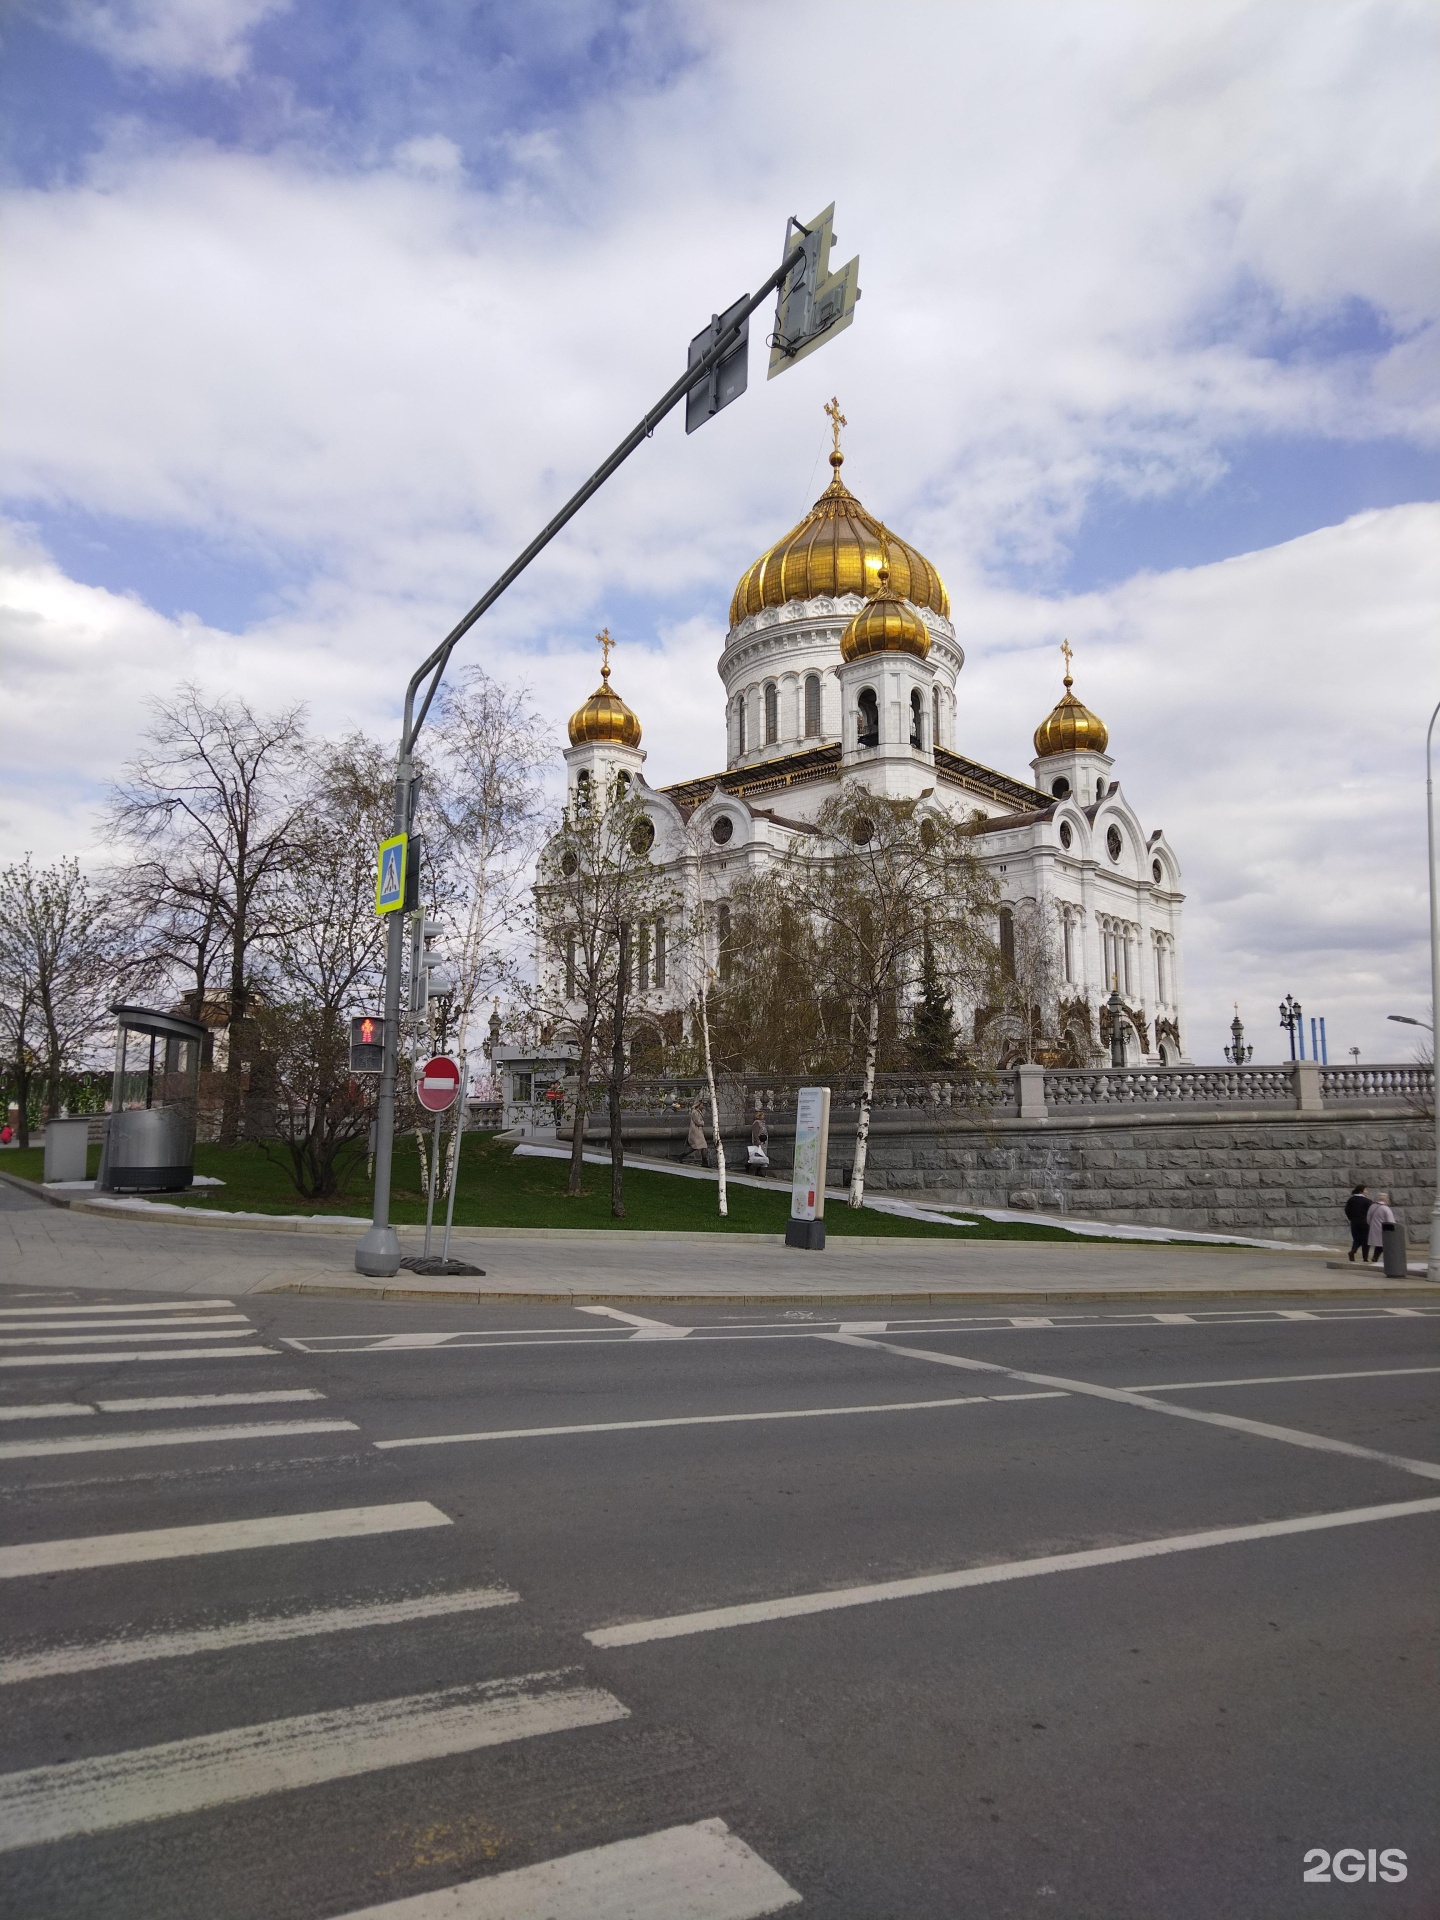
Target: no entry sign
x,y
437,1083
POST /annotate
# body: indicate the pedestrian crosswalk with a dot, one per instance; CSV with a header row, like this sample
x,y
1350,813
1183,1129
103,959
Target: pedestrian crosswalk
x,y
369,1636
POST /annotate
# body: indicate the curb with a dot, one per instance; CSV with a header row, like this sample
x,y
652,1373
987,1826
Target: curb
x,y
946,1297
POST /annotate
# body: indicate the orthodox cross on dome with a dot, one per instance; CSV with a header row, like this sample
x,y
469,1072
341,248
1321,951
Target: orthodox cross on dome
x,y
837,420
605,644
1069,657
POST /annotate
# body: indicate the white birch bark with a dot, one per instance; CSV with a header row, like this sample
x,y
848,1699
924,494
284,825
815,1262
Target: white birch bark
x,y
867,1095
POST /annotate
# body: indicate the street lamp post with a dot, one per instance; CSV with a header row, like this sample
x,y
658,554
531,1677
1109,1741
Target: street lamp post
x,y
1433,1268
1237,1053
1290,1016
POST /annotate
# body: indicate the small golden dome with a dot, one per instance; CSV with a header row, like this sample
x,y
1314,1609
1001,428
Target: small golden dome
x,y
837,548
1070,727
885,624
605,717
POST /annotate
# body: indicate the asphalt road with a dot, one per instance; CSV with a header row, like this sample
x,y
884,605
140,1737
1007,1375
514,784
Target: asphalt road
x,y
617,1637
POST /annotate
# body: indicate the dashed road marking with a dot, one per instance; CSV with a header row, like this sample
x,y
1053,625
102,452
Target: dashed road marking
x,y
169,1437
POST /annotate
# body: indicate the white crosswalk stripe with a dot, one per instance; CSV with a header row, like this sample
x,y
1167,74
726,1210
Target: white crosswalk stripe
x,y
195,1330
244,1763
168,1402
260,1630
168,1437
222,1536
700,1872
116,1357
125,1308
191,1320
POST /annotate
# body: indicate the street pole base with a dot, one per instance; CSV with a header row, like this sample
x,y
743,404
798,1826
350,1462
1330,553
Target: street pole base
x,y
809,1234
378,1254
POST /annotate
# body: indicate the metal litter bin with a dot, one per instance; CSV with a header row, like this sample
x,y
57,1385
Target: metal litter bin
x,y
1397,1253
66,1143
150,1136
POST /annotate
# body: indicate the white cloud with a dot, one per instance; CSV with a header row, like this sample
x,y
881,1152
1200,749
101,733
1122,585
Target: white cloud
x,y
171,37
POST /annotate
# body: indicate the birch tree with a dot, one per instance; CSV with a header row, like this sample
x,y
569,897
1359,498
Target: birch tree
x,y
881,882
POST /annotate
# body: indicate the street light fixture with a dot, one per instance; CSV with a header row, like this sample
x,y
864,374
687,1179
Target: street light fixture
x,y
1290,1019
1404,1020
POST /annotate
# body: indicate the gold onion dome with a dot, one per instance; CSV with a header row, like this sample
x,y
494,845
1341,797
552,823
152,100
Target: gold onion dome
x,y
885,624
1070,726
604,716
837,548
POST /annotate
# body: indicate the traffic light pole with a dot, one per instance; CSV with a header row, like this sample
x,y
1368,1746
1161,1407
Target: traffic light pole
x,y
378,1254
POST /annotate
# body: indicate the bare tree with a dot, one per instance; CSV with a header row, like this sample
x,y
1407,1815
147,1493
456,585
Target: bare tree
x,y
1028,983
483,819
881,882
595,877
327,961
62,953
210,811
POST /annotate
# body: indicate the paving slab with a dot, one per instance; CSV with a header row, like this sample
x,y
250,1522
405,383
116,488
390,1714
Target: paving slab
x,y
43,1246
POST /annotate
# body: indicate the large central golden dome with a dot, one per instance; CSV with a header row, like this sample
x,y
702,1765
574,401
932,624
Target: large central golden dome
x,y
837,548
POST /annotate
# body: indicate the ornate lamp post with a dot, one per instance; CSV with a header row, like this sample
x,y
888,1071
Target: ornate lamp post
x,y
1290,1012
1117,1030
1237,1053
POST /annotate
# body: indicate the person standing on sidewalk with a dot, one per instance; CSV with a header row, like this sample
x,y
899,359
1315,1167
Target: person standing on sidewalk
x,y
1381,1216
1357,1212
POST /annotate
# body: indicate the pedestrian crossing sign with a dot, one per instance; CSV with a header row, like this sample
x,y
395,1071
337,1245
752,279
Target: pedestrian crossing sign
x,y
390,874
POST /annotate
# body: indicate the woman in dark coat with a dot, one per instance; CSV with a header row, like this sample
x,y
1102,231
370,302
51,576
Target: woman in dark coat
x,y
1357,1212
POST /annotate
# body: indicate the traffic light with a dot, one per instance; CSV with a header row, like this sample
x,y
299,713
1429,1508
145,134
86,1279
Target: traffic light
x,y
367,1043
726,380
814,304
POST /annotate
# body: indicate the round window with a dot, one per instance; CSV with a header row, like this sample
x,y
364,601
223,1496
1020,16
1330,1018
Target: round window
x,y
722,830
1157,871
642,836
569,863
1061,788
1114,843
1066,836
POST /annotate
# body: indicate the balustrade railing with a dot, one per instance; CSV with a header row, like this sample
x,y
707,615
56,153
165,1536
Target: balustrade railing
x,y
1068,1088
1377,1086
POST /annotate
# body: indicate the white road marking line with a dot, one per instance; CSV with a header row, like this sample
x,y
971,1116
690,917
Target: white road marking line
x,y
220,1536
168,1402
191,1320
1282,1379
701,1872
48,1410
1295,1313
1030,1320
1175,1319
261,1631
633,1319
682,1420
113,1359
1029,1396
201,1330
414,1340
276,1756
794,1606
168,1437
139,1306
863,1326
1404,1313
1127,1397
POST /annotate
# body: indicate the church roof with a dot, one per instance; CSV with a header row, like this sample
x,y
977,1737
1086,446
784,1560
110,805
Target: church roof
x,y
823,763
837,548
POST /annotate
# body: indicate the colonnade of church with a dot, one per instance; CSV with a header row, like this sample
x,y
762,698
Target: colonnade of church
x,y
795,710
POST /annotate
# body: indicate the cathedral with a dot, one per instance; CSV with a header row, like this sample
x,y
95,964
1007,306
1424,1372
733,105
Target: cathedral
x,y
841,665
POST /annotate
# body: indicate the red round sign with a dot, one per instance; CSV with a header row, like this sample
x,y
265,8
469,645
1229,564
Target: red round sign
x,y
437,1083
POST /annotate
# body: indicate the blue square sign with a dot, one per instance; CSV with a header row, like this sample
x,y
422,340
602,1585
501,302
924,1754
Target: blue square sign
x,y
390,874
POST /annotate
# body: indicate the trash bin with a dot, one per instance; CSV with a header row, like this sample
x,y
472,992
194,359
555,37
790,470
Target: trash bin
x,y
66,1142
1397,1254
150,1135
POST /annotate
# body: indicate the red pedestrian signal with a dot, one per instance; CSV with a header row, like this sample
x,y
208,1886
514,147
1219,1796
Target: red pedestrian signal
x,y
367,1044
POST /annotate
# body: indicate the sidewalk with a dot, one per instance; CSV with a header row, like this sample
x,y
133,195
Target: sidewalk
x,y
44,1246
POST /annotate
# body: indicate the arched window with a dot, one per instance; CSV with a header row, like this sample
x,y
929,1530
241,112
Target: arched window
x,y
868,713
659,953
812,706
1067,928
582,790
1007,943
740,724
722,939
935,716
1060,788
570,966
772,715
917,718
644,956
622,784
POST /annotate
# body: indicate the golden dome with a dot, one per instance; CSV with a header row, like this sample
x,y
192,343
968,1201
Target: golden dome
x,y
1070,727
885,624
605,717
837,548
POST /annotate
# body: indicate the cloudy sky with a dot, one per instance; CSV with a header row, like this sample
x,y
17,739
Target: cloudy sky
x,y
316,310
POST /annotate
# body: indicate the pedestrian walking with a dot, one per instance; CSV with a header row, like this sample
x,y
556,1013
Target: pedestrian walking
x,y
758,1155
1357,1212
695,1138
1380,1217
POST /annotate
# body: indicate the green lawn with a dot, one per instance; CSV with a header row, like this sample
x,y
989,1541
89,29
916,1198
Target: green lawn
x,y
497,1189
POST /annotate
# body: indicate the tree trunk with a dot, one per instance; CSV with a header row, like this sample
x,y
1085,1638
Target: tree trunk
x,y
714,1103
52,1067
22,1089
577,1130
234,1091
617,1077
867,1095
